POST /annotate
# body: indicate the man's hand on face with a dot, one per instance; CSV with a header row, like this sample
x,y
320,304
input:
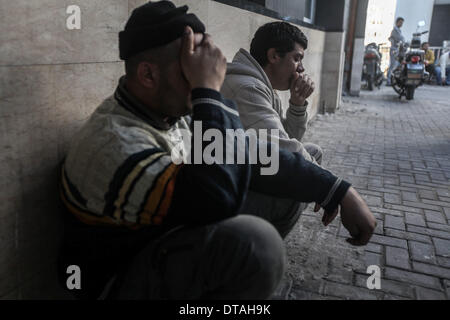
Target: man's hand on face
x,y
203,65
301,88
355,216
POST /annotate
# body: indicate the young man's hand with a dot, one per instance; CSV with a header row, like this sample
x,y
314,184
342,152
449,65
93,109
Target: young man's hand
x,y
301,88
203,65
355,216
328,216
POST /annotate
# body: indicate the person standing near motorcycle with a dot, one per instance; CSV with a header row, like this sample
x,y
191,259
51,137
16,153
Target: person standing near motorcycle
x,y
395,39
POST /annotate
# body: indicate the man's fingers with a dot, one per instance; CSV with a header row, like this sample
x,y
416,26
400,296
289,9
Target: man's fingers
x,y
303,89
188,41
294,84
328,217
364,237
331,216
304,86
361,239
354,242
317,207
207,40
310,91
198,38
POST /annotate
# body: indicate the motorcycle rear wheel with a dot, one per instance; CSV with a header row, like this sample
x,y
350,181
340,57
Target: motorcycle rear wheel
x,y
370,84
397,88
410,92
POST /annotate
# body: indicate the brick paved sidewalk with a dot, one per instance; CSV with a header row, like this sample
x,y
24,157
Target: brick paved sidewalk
x,y
397,155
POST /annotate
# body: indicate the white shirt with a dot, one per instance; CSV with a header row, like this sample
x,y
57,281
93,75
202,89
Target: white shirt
x,y
444,63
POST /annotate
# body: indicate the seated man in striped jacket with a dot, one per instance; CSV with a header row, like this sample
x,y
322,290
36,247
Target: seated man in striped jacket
x,y
140,224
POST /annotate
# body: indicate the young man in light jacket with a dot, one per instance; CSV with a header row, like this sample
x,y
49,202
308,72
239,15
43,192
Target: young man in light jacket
x,y
274,63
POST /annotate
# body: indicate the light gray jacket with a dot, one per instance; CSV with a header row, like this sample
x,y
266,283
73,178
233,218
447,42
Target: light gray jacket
x,y
259,105
396,37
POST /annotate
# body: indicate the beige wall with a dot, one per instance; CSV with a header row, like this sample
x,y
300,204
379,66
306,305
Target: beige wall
x,y
332,72
51,79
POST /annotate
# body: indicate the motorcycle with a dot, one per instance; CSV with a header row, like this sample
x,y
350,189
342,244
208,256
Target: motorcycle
x,y
372,73
410,73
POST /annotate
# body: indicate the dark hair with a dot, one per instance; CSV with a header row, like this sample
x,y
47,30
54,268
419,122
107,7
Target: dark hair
x,y
279,35
423,44
398,19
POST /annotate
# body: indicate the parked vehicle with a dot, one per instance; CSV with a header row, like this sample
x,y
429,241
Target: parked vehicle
x,y
372,74
410,73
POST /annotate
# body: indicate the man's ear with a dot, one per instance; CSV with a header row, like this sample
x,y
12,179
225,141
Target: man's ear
x,y
148,75
272,56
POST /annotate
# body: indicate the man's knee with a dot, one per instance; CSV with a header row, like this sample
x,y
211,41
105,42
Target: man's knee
x,y
259,234
258,244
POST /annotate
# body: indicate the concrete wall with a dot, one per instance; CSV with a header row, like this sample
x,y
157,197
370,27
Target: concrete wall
x,y
357,66
51,79
358,48
334,16
414,11
332,72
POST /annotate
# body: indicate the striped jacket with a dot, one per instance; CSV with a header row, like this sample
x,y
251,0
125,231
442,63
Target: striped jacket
x,y
119,170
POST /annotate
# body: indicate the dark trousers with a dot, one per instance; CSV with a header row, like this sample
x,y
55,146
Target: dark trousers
x,y
238,258
431,69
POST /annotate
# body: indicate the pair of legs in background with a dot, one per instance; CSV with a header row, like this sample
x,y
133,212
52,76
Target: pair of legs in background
x,y
393,64
431,69
438,72
238,258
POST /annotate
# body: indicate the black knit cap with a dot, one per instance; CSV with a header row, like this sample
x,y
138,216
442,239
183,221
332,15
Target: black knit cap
x,y
155,24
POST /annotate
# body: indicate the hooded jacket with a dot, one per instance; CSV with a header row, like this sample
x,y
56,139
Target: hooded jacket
x,y
260,107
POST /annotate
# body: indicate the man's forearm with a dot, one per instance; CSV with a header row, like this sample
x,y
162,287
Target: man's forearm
x,y
300,180
296,120
206,193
